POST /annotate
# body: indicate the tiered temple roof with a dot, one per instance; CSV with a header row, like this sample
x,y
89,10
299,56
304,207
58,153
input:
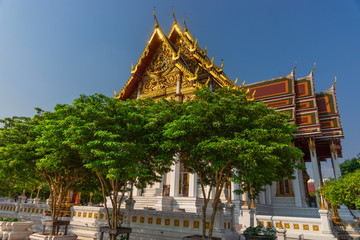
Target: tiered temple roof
x,y
176,57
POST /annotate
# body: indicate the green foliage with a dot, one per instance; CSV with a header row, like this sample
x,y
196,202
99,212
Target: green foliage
x,y
346,190
9,220
260,231
119,141
222,135
350,165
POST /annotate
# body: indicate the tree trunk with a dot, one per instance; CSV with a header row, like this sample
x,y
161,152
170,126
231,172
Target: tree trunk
x,y
204,219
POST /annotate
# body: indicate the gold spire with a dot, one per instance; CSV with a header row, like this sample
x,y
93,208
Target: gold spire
x,y
205,50
293,71
312,71
174,15
222,65
236,80
185,27
156,21
243,84
333,86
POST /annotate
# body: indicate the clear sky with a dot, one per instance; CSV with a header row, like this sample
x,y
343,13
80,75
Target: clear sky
x,y
53,51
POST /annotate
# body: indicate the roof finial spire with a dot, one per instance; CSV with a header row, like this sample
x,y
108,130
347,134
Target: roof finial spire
x,y
156,21
293,71
312,71
173,14
333,86
185,27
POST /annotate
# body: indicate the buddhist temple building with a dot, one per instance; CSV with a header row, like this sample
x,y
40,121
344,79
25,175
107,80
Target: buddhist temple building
x,y
173,66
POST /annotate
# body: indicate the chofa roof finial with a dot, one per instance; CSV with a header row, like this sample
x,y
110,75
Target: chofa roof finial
x,y
312,71
173,14
293,71
185,27
156,21
333,86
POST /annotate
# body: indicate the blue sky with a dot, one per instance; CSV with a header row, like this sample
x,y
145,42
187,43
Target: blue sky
x,y
53,51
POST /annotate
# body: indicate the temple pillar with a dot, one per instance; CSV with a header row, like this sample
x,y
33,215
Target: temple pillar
x,y
296,188
268,195
139,91
193,186
314,162
174,176
261,198
178,95
234,196
335,160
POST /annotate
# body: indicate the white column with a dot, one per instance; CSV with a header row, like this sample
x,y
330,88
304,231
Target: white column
x,y
268,195
234,196
174,177
296,189
314,162
262,198
335,160
178,86
139,91
193,186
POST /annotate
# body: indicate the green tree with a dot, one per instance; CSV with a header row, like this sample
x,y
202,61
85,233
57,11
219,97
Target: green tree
x,y
35,148
17,171
344,191
119,141
350,165
222,135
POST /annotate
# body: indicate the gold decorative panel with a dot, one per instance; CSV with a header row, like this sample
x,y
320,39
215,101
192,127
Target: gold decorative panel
x,y
142,219
167,222
37,210
41,211
269,225
261,223
229,225
196,224
96,215
158,221
224,225
278,225
150,220
186,223
90,215
316,227
287,226
84,214
296,226
79,214
306,227
101,216
134,218
207,225
176,223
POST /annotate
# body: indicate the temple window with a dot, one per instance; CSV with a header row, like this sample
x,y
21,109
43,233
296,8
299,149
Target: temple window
x,y
284,188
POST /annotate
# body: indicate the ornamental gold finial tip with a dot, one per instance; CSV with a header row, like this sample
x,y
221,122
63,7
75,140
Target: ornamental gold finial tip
x,y
156,21
293,71
173,14
333,86
243,84
222,64
185,27
236,80
312,71
212,60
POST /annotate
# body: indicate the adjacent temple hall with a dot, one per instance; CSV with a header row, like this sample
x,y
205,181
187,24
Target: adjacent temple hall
x,y
174,66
